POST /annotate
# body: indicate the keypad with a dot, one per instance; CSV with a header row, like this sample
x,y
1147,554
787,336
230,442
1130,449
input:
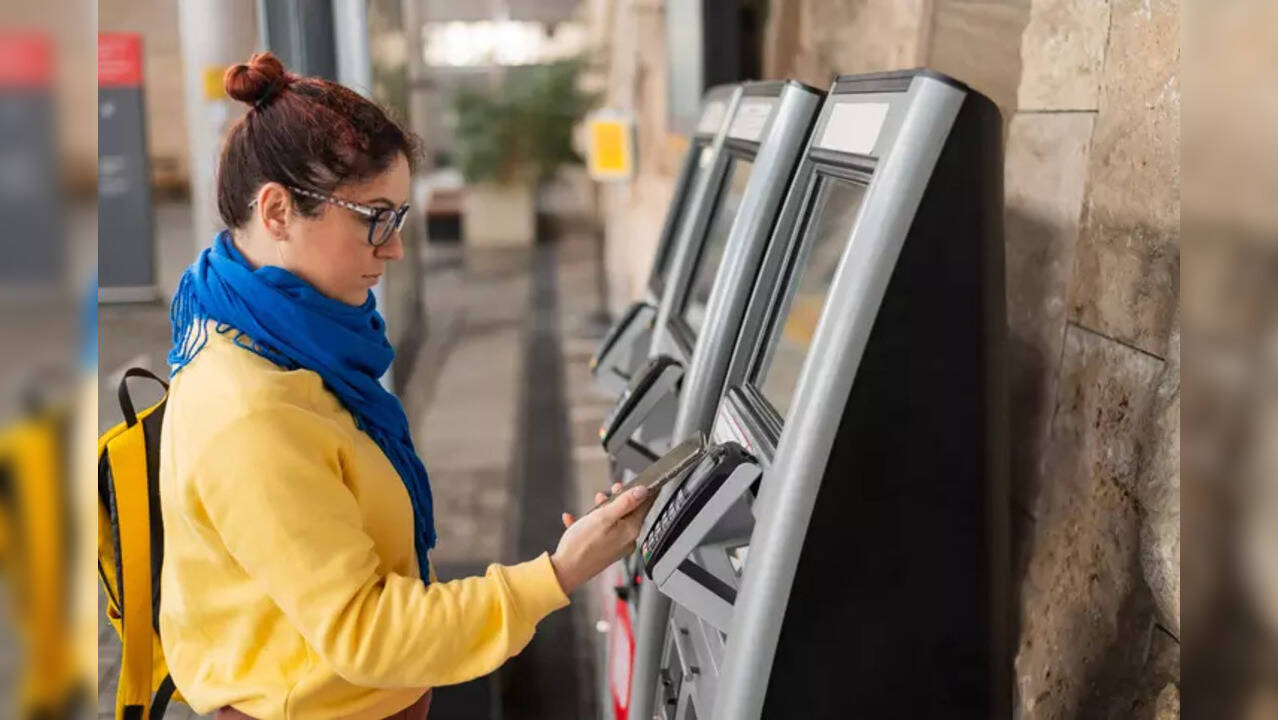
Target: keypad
x,y
691,495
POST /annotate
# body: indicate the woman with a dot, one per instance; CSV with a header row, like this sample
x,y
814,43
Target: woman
x,y
297,516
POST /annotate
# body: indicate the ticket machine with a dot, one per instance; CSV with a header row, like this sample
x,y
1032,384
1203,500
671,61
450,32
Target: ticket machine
x,y
625,347
842,549
710,281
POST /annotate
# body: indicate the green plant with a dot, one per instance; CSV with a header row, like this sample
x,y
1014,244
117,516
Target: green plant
x,y
521,129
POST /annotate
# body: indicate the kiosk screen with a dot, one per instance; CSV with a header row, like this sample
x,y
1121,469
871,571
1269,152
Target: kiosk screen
x,y
725,211
833,215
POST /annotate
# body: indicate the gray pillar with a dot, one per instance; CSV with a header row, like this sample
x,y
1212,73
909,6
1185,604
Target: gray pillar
x,y
215,34
350,35
418,79
300,33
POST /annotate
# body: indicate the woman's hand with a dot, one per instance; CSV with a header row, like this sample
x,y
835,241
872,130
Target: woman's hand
x,y
599,538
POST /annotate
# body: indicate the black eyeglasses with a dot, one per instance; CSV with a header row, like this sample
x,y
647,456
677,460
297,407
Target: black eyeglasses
x,y
382,222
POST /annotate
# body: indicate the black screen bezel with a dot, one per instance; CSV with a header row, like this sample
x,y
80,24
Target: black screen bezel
x,y
751,391
735,150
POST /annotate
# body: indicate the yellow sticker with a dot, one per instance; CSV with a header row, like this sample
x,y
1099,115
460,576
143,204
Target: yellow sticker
x,y
611,154
213,87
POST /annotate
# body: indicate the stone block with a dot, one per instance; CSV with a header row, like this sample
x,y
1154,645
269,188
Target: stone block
x,y
980,44
1159,494
1085,610
1233,286
781,38
1258,524
1167,706
1062,53
1126,279
838,37
1229,149
1045,170
1104,397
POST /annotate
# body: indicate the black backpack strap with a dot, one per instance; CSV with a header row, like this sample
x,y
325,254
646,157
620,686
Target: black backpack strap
x,y
126,402
162,696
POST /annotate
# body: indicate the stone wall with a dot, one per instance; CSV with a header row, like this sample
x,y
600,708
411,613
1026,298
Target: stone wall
x,y
813,40
1230,293
1093,230
1090,95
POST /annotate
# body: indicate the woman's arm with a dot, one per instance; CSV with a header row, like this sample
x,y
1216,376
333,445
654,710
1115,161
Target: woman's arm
x,y
271,485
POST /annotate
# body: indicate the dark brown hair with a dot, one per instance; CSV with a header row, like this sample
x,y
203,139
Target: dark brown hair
x,y
303,131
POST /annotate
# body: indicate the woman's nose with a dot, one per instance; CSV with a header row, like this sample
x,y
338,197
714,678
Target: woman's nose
x,y
393,249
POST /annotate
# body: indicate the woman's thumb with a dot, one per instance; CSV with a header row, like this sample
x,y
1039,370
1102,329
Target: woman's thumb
x,y
627,503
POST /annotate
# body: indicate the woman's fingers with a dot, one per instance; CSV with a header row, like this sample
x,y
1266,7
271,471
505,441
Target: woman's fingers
x,y
626,503
601,497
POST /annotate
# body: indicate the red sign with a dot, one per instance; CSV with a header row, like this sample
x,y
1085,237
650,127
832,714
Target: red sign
x,y
26,60
119,60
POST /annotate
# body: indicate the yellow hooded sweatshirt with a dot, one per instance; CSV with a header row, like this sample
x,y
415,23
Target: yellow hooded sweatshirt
x,y
290,586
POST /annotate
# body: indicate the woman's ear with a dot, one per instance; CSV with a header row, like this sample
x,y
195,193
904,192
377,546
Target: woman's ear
x,y
275,208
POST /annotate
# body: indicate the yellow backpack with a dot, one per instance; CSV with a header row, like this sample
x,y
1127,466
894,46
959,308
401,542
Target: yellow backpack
x,y
35,548
131,551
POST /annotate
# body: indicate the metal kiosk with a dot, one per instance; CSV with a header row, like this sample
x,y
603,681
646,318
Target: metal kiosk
x,y
709,281
757,152
625,347
843,550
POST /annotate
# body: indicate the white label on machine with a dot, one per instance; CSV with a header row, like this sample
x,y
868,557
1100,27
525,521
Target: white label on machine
x,y
752,115
711,118
854,127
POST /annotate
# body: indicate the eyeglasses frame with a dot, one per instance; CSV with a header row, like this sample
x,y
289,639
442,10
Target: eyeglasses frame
x,y
374,214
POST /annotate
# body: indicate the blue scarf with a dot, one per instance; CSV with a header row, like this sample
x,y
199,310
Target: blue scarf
x,y
285,320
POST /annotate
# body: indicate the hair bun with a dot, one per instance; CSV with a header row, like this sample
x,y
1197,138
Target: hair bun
x,y
256,81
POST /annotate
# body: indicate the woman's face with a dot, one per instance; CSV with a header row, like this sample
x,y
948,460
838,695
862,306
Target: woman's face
x,y
330,250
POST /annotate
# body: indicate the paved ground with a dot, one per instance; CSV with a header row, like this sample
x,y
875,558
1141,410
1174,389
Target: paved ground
x,y
506,422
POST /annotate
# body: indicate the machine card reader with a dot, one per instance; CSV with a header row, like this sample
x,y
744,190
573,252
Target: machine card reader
x,y
686,550
615,358
656,382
